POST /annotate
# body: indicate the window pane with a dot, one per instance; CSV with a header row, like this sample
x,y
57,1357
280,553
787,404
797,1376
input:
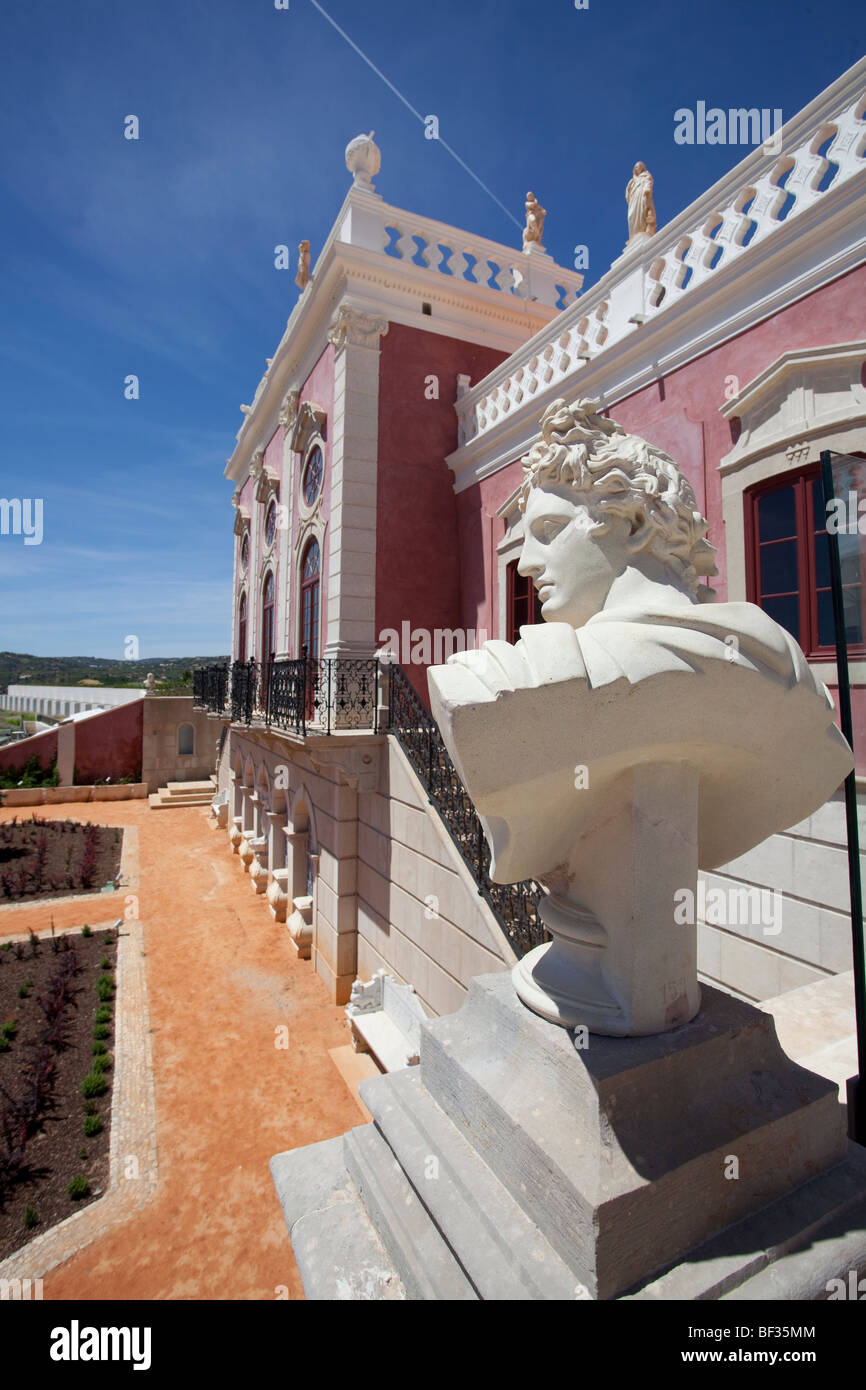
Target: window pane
x,y
849,557
777,515
826,631
786,612
852,599
822,560
779,568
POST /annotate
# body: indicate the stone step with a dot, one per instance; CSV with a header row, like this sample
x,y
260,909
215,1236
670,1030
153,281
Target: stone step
x,y
179,788
159,802
421,1257
483,1224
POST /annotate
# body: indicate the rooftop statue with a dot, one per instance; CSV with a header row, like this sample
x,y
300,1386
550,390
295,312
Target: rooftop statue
x,y
535,215
641,732
302,279
641,209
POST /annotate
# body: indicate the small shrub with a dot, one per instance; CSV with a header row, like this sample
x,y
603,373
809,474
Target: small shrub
x,y
24,990
31,1218
92,1125
101,1030
79,1187
9,1028
105,987
85,930
7,946
103,1014
82,1152
94,1084
98,1047
90,1107
100,1063
105,963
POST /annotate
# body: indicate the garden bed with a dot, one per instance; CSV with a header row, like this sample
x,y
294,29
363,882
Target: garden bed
x,y
55,858
56,1022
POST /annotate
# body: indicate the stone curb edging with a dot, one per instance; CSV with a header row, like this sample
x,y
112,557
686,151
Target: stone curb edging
x,y
133,1125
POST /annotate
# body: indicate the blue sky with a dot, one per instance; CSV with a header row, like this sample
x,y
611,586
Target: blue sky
x,y
155,257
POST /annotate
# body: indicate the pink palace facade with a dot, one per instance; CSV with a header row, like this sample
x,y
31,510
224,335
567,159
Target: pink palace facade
x,y
376,475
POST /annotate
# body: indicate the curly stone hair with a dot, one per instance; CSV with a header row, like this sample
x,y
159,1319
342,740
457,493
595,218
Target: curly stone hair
x,y
621,475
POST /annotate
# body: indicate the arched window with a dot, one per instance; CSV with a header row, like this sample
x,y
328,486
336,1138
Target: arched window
x,y
310,581
268,617
522,603
270,524
242,628
185,740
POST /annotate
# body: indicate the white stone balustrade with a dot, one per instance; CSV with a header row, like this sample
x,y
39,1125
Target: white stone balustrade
x,y
764,194
376,226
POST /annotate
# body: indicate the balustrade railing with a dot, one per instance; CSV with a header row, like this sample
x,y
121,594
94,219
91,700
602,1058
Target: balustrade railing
x,y
326,695
515,904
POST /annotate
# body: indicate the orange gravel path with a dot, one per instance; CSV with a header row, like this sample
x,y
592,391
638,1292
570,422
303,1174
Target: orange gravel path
x,y
221,978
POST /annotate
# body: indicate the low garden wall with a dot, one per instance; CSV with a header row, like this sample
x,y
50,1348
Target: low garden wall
x,y
53,796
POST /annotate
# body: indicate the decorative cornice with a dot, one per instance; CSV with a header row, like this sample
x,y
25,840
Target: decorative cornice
x,y
310,421
354,326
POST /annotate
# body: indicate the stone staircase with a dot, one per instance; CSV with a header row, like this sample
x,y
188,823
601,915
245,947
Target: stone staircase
x,y
183,794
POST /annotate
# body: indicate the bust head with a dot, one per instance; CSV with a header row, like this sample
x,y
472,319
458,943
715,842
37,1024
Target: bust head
x,y
599,503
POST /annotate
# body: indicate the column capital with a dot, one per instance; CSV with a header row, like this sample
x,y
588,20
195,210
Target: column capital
x,y
356,327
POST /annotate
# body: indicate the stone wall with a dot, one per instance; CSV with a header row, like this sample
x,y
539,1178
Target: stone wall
x,y
160,761
804,932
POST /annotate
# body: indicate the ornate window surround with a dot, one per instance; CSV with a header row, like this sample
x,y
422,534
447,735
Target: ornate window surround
x,y
804,401
507,550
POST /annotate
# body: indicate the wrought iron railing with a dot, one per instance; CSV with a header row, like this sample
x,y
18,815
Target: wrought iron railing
x,y
515,904
327,694
210,687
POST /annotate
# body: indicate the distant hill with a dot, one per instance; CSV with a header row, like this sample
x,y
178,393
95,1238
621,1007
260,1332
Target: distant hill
x,y
20,668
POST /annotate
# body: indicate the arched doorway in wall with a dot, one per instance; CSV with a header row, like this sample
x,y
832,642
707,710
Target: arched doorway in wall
x,y
311,565
242,628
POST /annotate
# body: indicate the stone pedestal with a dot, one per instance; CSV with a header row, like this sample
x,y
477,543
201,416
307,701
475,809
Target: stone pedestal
x,y
522,1160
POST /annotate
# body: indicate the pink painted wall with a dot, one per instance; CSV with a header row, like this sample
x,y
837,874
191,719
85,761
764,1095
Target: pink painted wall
x,y
109,744
43,745
418,566
106,745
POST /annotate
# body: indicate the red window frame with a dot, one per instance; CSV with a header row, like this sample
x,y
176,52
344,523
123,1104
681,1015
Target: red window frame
x,y
268,591
522,604
807,525
242,627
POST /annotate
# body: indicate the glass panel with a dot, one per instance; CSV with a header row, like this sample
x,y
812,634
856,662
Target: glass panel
x,y
777,515
852,600
779,568
849,557
822,560
826,636
785,611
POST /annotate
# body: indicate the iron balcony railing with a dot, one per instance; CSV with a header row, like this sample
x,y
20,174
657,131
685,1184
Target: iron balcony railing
x,y
335,693
515,904
325,694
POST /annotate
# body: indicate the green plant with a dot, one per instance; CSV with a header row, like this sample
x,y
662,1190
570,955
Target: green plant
x,y
101,1030
98,1047
82,1152
94,1084
7,946
79,1187
9,1028
105,987
105,963
31,1218
90,1107
92,1125
85,930
24,990
103,1014
101,1062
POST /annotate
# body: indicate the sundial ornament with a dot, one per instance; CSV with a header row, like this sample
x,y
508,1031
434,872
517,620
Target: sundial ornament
x,y
640,733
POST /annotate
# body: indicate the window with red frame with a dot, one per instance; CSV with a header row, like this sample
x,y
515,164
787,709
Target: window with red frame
x,y
788,563
242,628
522,603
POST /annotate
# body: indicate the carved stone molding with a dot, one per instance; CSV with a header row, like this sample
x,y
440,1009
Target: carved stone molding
x,y
309,422
242,521
355,327
289,409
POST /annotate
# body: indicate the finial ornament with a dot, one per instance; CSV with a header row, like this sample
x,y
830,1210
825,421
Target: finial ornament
x,y
363,160
302,279
535,215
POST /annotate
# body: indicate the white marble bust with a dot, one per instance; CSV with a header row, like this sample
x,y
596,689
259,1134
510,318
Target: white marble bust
x,y
641,732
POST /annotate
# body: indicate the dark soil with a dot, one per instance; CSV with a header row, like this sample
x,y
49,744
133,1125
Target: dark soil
x,y
59,1151
54,858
